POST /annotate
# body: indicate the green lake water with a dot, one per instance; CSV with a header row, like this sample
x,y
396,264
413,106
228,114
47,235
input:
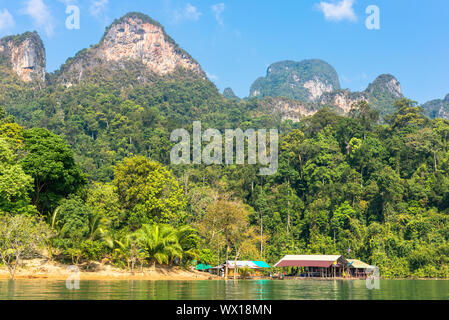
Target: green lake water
x,y
227,290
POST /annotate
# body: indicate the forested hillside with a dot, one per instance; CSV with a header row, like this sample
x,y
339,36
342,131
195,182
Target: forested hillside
x,y
91,162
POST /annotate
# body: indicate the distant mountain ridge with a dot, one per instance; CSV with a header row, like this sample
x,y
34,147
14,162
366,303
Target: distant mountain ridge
x,y
133,40
316,82
136,48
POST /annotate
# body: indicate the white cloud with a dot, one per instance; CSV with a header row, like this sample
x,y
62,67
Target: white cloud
x,y
41,15
342,10
218,10
345,79
6,20
190,12
69,2
98,7
211,76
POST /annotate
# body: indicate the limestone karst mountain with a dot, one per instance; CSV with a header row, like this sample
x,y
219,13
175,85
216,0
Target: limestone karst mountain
x,y
314,84
25,55
134,38
305,81
136,48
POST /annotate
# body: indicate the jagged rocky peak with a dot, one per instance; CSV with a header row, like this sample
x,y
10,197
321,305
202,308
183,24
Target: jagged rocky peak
x,y
139,37
385,84
306,80
25,54
229,94
381,94
134,37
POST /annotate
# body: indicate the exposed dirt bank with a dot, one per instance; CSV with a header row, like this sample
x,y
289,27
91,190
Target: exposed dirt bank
x,y
44,269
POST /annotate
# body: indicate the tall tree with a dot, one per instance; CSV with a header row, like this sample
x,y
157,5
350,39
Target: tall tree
x,y
50,161
149,192
20,237
228,218
408,114
15,184
365,114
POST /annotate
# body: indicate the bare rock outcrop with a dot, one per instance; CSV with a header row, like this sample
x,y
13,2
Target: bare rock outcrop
x,y
25,55
134,37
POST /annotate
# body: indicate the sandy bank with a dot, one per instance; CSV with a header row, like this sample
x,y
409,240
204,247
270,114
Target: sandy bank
x,y
43,269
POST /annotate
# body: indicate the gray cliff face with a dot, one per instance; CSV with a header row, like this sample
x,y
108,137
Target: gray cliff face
x,y
343,99
25,55
286,108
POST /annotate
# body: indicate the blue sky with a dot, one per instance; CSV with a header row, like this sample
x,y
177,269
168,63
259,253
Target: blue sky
x,y
236,40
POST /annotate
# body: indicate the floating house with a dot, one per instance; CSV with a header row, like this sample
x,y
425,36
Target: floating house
x,y
358,269
256,267
318,266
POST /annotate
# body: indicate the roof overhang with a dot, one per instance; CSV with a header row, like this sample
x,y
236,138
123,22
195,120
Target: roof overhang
x,y
241,264
320,261
304,263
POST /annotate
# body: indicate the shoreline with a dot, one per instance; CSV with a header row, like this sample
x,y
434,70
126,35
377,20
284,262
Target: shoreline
x,y
86,276
183,275
175,274
41,269
94,276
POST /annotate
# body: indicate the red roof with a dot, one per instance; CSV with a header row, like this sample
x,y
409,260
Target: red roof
x,y
314,260
304,263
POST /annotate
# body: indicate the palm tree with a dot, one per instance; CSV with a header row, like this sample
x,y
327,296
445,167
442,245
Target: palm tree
x,y
160,241
97,226
188,239
244,272
52,222
51,219
127,248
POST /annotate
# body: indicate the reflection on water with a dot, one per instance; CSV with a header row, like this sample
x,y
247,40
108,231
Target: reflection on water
x,y
228,290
